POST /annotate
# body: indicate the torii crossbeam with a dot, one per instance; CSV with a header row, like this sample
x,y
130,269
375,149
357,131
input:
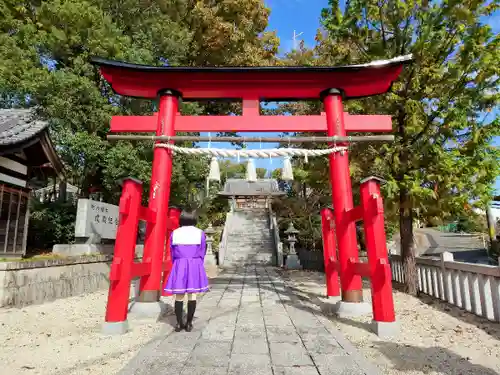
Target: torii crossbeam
x,y
252,85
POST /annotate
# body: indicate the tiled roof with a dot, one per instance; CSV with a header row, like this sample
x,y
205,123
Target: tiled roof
x,y
18,125
244,187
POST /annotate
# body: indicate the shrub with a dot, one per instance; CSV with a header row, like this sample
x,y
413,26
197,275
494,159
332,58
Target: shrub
x,y
51,223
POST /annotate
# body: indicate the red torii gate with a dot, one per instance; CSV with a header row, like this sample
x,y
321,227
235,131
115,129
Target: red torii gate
x,y
251,85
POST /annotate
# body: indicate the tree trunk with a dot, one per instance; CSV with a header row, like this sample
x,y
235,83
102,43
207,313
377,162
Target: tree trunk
x,y
407,243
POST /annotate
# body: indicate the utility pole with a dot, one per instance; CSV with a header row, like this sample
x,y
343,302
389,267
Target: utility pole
x,y
295,36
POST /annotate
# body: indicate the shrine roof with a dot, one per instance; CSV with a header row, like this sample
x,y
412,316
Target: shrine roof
x,y
265,83
18,125
241,187
22,131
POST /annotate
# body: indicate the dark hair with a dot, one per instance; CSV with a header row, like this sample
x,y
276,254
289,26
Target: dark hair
x,y
187,218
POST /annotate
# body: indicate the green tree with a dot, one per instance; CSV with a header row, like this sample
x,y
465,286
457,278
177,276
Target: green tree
x,y
440,106
230,169
44,62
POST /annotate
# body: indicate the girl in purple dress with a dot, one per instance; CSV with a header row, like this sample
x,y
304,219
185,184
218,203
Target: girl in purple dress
x,y
188,276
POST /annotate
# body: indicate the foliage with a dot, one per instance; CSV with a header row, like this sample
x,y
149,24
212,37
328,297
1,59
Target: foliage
x,y
51,223
442,105
230,169
471,223
44,62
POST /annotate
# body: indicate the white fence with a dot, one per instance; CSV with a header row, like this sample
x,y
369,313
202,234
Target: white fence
x,y
472,287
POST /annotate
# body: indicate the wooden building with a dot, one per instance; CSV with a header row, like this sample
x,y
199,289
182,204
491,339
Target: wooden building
x,y
256,195
27,155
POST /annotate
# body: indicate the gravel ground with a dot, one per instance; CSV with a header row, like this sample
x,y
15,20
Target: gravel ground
x,y
435,338
63,337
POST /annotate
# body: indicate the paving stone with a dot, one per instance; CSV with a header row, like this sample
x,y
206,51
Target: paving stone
x,y
250,308
153,362
253,371
178,342
282,334
190,370
222,319
250,345
279,320
249,360
333,364
250,320
289,354
305,332
297,370
230,298
250,299
210,354
324,345
250,331
217,332
243,364
154,368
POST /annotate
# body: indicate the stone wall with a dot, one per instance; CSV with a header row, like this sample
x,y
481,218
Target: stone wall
x,y
27,283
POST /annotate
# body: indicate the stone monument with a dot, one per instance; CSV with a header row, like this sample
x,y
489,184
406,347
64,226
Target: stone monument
x,y
95,229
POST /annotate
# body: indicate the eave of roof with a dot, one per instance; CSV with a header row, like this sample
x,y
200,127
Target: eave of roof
x,y
19,129
19,125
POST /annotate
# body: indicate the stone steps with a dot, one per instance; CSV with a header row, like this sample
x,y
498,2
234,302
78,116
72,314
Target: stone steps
x,y
249,239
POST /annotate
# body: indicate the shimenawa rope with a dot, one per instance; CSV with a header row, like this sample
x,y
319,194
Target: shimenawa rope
x,y
270,153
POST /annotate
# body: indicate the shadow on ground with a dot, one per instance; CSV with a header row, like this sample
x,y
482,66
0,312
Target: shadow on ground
x,y
409,358
406,357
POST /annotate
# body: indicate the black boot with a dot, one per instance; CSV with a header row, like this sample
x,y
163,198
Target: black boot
x,y
190,315
178,314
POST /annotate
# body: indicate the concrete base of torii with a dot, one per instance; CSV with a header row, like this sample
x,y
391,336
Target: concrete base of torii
x,y
115,328
352,309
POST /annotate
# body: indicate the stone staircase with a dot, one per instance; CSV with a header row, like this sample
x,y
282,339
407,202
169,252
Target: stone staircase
x,y
249,239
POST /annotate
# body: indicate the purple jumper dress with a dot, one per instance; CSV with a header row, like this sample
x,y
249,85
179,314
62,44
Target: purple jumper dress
x,y
188,248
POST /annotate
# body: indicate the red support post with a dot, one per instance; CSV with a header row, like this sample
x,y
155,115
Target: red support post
x,y
121,267
173,215
159,194
330,253
340,179
380,271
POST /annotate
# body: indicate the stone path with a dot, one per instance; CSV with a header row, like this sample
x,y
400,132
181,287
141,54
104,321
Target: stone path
x,y
252,323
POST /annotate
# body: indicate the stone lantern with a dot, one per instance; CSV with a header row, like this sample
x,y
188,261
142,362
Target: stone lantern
x,y
292,259
210,256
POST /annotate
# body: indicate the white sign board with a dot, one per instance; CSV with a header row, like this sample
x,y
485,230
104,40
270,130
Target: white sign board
x,y
96,218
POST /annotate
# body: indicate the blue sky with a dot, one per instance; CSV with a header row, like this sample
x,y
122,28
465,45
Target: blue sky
x,y
302,16
305,16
